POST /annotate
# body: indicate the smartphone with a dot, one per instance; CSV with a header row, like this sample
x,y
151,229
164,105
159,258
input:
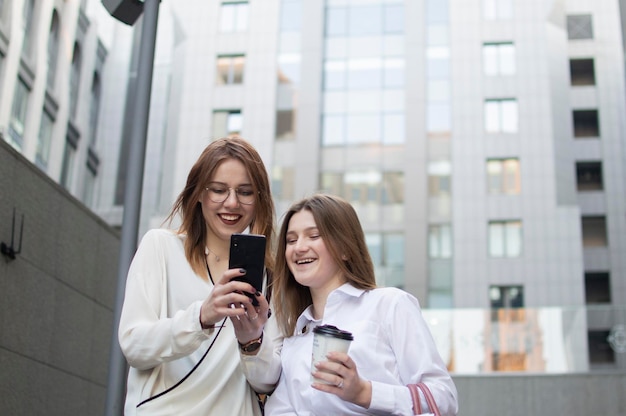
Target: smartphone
x,y
247,251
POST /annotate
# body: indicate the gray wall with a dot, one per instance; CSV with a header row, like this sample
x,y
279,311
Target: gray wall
x,y
56,297
522,395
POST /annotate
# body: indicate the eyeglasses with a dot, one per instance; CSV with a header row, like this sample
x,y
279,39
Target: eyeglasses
x,y
219,194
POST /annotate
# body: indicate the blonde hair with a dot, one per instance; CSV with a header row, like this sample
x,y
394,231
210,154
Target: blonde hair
x,y
340,228
188,206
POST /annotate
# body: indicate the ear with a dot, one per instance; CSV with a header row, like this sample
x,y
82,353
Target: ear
x,y
344,257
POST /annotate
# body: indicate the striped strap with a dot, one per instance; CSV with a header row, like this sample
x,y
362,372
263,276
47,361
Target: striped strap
x,y
429,398
417,406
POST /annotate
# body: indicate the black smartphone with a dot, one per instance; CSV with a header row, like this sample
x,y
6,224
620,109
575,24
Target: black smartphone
x,y
247,251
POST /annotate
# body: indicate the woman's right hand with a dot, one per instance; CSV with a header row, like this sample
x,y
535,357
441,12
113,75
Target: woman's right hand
x,y
227,299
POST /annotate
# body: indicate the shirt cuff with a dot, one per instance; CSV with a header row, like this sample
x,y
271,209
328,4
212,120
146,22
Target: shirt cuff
x,y
390,399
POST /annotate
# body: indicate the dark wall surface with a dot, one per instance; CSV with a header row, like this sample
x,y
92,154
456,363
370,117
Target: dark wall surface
x,y
56,296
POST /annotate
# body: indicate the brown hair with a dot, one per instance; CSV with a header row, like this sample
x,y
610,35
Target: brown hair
x,y
339,226
188,206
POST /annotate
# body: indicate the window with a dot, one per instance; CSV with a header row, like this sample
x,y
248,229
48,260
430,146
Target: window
x,y
67,169
53,49
439,178
43,141
505,297
503,176
366,187
499,59
600,351
285,124
28,11
582,72
18,114
283,183
589,176
364,20
579,27
230,69
586,123
291,15
594,231
440,241
234,16
597,287
75,79
497,9
227,123
387,252
94,109
505,238
501,116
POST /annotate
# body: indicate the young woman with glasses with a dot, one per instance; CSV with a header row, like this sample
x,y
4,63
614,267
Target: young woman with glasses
x,y
181,300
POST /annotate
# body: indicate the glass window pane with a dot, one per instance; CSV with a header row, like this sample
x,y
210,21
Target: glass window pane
x,y
393,129
364,129
365,20
438,68
492,116
241,24
365,73
496,239
336,21
335,75
509,116
375,247
507,59
438,117
289,68
394,73
513,239
393,19
333,130
490,60
290,16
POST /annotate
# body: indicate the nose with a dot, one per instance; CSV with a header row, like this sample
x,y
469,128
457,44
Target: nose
x,y
231,199
300,246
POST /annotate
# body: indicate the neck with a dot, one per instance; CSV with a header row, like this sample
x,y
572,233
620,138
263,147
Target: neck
x,y
320,296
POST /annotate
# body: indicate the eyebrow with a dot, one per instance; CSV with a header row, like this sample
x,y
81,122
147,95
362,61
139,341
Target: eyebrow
x,y
225,184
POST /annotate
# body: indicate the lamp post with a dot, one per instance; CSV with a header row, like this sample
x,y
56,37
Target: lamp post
x,y
128,11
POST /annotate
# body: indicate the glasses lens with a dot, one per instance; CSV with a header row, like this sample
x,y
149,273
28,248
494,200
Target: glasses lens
x,y
220,194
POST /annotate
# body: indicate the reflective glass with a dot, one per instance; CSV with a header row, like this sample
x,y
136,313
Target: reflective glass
x,y
333,130
365,20
364,129
393,129
336,21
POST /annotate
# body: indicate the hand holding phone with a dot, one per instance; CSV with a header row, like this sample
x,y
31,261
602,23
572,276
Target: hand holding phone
x,y
247,251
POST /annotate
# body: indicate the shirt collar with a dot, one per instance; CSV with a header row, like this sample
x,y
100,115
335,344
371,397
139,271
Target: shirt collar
x,y
306,322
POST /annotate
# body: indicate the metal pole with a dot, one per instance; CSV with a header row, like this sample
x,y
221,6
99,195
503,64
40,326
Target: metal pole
x,y
116,386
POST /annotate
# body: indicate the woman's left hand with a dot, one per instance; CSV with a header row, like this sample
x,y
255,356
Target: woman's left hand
x,y
249,325
341,372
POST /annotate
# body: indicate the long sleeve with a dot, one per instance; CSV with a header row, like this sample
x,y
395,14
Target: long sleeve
x,y
147,335
263,369
417,361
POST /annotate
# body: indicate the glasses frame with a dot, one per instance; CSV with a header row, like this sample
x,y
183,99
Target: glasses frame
x,y
236,190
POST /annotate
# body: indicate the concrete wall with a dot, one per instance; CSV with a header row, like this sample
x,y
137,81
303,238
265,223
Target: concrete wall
x,y
522,395
56,297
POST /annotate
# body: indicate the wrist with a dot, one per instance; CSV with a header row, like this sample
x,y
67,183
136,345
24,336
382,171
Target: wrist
x,y
251,347
205,325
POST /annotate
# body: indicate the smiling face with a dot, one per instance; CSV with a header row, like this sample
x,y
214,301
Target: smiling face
x,y
230,216
307,256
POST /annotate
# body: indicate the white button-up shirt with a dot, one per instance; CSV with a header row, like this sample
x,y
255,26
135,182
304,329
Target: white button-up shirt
x,y
392,347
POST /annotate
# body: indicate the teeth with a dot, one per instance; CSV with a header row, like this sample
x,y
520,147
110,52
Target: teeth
x,y
304,261
230,217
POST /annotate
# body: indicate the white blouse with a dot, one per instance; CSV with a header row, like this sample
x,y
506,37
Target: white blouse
x,y
161,337
392,347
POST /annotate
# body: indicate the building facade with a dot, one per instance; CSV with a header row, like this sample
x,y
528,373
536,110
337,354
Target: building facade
x,y
51,81
482,143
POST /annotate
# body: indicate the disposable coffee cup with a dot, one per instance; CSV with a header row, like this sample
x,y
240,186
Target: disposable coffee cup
x,y
327,338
